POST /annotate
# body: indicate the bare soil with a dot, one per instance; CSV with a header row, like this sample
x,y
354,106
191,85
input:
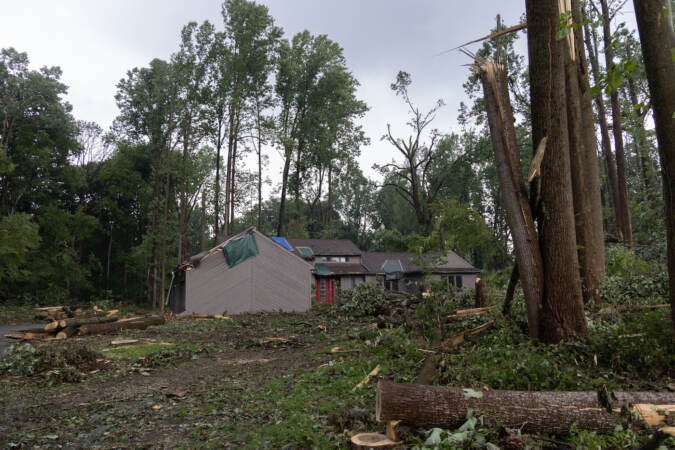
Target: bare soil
x,y
204,397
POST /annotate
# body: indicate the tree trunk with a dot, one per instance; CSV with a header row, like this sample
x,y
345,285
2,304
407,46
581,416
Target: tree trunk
x,y
590,39
513,190
624,211
594,250
562,313
216,187
136,324
582,209
551,412
640,139
284,187
202,224
654,19
510,290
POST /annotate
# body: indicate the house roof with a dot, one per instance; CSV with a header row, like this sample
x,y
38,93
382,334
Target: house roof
x,y
195,260
327,247
344,268
381,262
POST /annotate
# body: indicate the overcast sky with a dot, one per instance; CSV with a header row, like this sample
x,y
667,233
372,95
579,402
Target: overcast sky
x,y
96,41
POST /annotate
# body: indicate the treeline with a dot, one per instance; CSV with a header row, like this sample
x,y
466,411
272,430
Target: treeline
x,y
86,213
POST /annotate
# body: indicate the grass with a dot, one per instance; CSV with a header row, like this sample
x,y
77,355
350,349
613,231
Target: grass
x,y
223,383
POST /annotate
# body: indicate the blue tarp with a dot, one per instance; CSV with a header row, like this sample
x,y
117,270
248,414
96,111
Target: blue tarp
x,y
281,241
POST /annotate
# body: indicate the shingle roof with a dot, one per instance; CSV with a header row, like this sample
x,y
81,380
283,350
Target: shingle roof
x,y
450,263
327,247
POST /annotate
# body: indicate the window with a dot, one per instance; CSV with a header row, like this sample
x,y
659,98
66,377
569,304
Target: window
x,y
454,281
391,285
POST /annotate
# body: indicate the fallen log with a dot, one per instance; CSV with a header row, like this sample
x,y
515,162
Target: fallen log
x,y
554,412
30,335
67,332
55,325
137,324
89,320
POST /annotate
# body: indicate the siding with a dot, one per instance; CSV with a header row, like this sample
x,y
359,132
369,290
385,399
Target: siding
x,y
274,280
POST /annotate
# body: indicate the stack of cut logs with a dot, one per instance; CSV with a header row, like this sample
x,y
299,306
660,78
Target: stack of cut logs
x,y
64,322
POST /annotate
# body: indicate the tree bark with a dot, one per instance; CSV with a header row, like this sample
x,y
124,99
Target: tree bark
x,y
513,190
580,190
594,251
617,132
657,39
137,324
590,39
562,312
553,412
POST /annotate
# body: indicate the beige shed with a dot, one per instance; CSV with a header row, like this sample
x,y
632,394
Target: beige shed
x,y
247,273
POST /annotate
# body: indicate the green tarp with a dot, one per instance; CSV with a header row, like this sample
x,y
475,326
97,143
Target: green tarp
x,y
305,252
240,249
322,270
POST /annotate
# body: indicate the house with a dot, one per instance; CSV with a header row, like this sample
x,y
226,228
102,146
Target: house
x,y
337,264
340,265
408,272
247,273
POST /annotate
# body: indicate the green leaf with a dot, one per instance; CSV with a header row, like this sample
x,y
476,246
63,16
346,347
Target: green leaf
x,y
470,393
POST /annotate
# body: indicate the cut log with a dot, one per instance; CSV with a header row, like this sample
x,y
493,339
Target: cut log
x,y
55,325
89,320
373,440
137,324
426,406
30,335
67,332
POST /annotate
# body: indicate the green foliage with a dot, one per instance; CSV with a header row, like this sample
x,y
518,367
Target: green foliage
x,y
18,236
457,227
629,277
472,434
366,299
50,362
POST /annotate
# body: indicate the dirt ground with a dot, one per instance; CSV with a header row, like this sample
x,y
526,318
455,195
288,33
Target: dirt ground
x,y
207,395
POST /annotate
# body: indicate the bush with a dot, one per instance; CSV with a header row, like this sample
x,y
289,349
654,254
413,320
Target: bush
x,y
367,299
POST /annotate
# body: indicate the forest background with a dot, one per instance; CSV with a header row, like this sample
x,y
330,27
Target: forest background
x,y
92,213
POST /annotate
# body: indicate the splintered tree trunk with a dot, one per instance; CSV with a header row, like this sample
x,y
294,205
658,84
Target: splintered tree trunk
x,y
657,39
553,412
562,313
513,190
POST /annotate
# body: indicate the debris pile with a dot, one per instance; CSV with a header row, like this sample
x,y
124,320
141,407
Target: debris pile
x,y
64,322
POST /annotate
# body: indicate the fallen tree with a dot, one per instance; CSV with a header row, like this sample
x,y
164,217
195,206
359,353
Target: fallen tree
x,y
137,324
554,412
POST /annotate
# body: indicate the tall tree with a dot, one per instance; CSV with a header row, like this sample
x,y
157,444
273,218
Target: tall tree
x,y
251,39
149,104
416,185
623,213
562,313
317,109
657,39
189,65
